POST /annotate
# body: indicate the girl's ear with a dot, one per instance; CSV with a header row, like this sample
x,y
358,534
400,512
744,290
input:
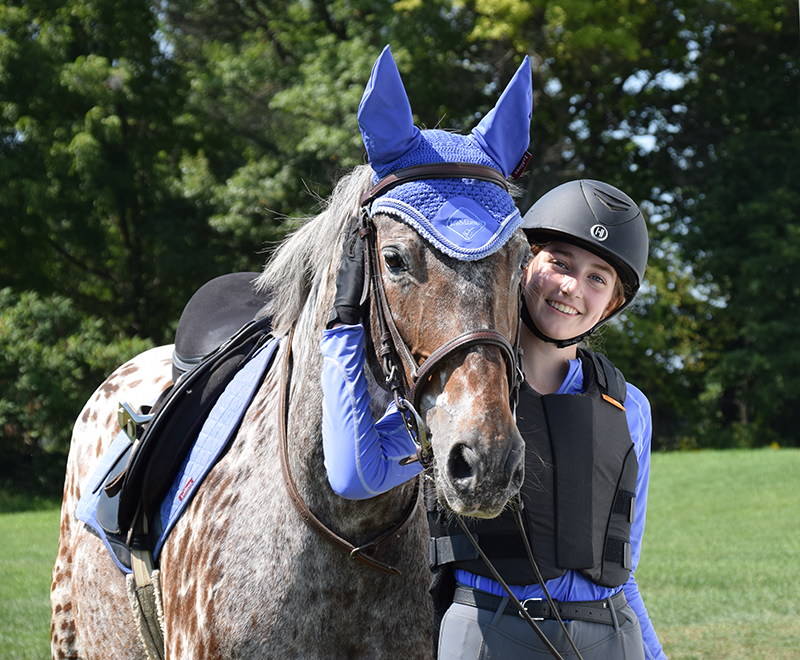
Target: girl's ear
x,y
616,301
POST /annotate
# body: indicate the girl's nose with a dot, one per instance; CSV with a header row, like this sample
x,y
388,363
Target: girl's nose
x,y
570,287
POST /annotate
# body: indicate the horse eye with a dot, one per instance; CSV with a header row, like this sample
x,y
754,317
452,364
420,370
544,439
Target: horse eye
x,y
393,260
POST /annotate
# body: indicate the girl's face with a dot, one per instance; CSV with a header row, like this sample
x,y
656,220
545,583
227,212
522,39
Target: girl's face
x,y
568,290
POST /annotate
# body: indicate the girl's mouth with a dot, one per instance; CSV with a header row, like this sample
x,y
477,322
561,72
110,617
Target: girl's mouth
x,y
562,308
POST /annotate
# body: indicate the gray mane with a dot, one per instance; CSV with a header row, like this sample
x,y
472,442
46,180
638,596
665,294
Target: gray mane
x,y
304,266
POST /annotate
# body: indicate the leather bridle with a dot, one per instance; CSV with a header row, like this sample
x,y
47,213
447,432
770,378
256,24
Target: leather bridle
x,y
407,384
363,553
407,395
392,347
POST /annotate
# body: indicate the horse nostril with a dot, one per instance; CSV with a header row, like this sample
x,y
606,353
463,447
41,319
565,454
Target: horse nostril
x,y
459,464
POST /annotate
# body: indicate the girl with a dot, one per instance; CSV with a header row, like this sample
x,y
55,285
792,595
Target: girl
x,y
587,435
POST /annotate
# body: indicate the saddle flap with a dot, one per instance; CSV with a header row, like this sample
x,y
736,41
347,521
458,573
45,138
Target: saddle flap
x,y
169,436
108,503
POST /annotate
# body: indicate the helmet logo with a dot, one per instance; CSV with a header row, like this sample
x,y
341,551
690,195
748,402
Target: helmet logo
x,y
599,232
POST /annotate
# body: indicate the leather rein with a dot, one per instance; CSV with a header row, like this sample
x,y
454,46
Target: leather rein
x,y
392,346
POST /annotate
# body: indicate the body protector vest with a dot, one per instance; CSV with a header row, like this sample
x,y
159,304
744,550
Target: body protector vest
x,y
578,497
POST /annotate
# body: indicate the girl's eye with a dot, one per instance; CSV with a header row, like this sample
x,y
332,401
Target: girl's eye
x,y
393,260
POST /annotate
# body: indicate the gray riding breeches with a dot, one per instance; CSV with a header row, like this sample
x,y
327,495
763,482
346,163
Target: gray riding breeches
x,y
471,633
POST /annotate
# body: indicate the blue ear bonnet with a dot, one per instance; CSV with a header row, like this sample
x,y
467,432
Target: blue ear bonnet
x,y
467,219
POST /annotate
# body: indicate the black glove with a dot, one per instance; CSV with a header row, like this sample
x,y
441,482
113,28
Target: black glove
x,y
350,279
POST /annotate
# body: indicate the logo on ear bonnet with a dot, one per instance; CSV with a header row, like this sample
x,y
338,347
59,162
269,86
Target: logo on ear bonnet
x,y
457,216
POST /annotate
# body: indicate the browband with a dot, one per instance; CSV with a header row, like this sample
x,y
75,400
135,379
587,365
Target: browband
x,y
434,171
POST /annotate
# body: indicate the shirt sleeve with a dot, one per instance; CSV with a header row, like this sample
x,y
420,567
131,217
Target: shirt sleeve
x,y
362,457
640,422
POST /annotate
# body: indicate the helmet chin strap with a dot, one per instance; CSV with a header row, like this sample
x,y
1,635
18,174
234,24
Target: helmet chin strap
x,y
560,343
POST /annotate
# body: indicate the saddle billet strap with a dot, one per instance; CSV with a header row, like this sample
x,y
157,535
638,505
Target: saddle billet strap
x,y
354,552
434,171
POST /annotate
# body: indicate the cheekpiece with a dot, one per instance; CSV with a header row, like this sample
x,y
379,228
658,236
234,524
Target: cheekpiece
x,y
467,219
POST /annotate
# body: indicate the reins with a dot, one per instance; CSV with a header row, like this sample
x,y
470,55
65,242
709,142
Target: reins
x,y
391,344
520,606
407,395
361,553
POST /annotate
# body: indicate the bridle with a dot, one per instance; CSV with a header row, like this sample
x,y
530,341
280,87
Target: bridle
x,y
392,346
407,383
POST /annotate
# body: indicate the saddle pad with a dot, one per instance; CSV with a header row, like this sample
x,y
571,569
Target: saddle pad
x,y
217,430
222,422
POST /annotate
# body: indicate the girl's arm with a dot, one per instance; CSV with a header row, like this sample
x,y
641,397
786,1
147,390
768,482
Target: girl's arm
x,y
640,423
361,456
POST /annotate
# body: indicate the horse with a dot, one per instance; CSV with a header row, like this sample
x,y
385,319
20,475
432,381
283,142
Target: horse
x,y
242,575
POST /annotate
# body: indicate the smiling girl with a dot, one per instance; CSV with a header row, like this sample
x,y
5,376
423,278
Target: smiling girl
x,y
587,450
587,435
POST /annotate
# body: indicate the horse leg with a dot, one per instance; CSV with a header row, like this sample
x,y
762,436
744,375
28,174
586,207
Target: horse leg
x,y
63,635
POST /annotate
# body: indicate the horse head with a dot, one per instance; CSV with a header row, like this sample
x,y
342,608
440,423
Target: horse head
x,y
447,260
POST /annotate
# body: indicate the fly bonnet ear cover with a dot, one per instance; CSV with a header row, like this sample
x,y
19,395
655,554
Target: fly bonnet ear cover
x,y
467,219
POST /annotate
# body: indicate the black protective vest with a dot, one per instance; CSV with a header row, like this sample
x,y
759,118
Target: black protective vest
x,y
579,492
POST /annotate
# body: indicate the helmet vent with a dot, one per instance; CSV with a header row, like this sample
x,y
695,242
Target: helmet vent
x,y
611,202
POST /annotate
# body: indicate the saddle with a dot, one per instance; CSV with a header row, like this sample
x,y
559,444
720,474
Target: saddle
x,y
217,334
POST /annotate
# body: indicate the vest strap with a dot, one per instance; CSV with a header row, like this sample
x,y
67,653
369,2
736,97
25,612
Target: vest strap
x,y
449,549
618,551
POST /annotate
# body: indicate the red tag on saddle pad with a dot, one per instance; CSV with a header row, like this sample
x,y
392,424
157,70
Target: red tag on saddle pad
x,y
520,168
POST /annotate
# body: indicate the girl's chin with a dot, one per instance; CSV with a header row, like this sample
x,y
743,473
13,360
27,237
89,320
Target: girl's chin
x,y
561,334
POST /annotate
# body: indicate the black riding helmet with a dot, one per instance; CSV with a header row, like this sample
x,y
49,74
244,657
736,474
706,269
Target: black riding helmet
x,y
596,217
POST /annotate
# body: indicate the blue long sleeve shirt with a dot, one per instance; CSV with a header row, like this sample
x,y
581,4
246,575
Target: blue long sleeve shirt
x,y
362,459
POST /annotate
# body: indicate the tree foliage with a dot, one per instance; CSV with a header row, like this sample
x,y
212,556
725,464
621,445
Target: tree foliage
x,y
146,147
52,358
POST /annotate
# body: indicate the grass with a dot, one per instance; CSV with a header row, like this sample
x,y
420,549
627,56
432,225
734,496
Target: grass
x,y
28,541
720,570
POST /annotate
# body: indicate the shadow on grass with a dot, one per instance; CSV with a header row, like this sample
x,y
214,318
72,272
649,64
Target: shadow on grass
x,y
32,483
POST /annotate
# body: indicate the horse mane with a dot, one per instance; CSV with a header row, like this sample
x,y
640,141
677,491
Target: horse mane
x,y
305,264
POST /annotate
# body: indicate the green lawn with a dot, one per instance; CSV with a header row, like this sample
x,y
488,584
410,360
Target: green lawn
x,y
28,542
720,571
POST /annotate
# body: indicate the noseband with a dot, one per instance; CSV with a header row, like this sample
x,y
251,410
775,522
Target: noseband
x,y
407,384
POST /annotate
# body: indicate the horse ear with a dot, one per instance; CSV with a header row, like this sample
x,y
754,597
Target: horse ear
x,y
504,133
384,115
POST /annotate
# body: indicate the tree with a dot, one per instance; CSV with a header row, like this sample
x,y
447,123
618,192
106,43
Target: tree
x,y
92,139
148,147
729,137
51,360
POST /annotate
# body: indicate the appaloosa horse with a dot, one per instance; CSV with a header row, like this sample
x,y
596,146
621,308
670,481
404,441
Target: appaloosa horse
x,y
242,575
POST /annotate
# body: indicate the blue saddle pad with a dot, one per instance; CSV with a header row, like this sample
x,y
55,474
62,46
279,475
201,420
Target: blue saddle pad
x,y
219,427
